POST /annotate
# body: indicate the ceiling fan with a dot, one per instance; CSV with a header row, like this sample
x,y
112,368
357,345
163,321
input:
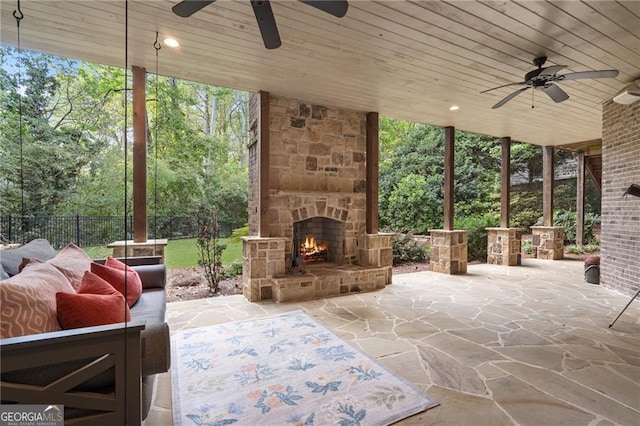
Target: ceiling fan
x,y
264,14
545,79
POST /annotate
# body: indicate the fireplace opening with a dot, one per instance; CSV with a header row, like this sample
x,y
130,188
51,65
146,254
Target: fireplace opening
x,y
318,239
312,251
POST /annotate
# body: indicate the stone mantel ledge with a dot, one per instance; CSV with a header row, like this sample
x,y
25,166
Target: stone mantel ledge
x,y
504,229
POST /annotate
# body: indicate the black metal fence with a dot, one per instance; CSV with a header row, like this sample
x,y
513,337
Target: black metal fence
x,y
87,231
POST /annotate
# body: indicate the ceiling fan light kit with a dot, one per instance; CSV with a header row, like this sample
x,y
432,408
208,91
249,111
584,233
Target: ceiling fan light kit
x,y
545,79
629,94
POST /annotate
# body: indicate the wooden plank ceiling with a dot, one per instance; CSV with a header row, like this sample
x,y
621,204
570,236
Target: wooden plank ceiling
x,y
405,59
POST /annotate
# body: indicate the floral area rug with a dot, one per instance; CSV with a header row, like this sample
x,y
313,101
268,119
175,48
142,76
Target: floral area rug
x,y
281,370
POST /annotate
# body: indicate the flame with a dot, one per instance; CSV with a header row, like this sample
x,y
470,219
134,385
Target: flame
x,y
311,247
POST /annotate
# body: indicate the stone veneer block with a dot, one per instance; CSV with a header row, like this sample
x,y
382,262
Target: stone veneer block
x,y
504,246
548,242
448,251
262,258
376,250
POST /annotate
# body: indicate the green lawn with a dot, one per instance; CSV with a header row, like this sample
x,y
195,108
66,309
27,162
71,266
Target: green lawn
x,y
184,253
180,253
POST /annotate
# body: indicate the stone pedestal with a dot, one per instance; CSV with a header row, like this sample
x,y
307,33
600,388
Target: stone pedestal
x,y
376,251
548,242
132,249
448,251
262,258
504,246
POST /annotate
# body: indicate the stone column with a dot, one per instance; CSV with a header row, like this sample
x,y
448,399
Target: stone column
x,y
134,249
548,242
504,246
262,259
448,251
375,251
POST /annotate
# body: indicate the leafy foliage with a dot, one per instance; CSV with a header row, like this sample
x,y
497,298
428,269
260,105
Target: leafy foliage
x,y
73,151
407,249
567,219
412,173
234,269
477,236
238,233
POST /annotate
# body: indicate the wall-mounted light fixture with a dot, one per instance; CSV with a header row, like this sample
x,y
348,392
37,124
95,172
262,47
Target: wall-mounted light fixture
x,y
629,94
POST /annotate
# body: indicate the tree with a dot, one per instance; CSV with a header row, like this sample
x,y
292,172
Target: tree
x,y
42,159
411,174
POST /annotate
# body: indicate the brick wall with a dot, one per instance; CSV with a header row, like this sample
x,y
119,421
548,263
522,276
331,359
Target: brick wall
x,y
620,244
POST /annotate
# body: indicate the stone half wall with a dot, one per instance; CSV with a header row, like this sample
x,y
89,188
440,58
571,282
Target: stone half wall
x,y
620,240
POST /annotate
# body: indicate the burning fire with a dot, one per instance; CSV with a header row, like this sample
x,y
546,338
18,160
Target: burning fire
x,y
312,251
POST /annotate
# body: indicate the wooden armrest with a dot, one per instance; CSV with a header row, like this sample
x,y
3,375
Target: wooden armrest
x,y
87,353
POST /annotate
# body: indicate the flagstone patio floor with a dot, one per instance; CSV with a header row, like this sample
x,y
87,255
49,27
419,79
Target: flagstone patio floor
x,y
500,345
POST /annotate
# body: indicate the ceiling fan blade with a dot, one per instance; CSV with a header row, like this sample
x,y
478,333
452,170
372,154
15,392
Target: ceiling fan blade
x,y
555,93
266,23
508,98
552,69
336,8
589,74
187,8
504,85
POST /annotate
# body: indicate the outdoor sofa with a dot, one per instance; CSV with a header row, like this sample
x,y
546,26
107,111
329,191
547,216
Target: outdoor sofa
x,y
103,375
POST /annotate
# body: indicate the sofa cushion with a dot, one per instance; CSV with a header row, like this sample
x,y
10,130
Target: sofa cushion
x,y
36,249
130,287
73,262
28,301
3,273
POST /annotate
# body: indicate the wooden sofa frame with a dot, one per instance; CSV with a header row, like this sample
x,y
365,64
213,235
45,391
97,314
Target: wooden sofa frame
x,y
114,345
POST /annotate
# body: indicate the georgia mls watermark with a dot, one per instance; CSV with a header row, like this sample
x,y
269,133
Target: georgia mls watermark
x,y
31,415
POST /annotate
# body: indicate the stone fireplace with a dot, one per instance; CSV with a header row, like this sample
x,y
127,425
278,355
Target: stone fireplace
x,y
315,192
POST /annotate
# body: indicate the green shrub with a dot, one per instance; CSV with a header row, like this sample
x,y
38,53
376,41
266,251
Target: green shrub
x,y
406,249
234,269
210,248
477,235
567,220
238,233
527,247
585,249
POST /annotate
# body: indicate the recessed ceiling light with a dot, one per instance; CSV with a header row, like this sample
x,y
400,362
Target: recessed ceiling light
x,y
171,42
454,108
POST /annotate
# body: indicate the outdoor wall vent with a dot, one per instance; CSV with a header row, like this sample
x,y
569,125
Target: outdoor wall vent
x,y
629,94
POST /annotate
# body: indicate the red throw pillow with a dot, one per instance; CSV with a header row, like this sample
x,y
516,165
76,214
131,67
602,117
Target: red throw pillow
x,y
93,284
116,277
87,310
96,303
